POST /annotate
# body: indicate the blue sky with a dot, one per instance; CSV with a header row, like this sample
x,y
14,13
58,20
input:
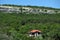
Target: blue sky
x,y
47,3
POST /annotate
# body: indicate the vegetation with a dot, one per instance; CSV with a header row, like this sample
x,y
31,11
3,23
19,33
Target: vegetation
x,y
16,26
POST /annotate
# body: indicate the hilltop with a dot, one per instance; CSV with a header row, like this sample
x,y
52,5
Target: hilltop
x,y
28,6
28,9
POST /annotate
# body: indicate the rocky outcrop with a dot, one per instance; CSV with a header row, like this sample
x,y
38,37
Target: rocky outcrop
x,y
10,9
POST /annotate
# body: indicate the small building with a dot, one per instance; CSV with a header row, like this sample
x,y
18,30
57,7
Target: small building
x,y
34,33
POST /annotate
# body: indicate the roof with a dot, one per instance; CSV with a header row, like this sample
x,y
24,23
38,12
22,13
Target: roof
x,y
35,31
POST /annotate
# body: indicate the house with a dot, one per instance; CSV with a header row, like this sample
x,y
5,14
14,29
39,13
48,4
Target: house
x,y
35,33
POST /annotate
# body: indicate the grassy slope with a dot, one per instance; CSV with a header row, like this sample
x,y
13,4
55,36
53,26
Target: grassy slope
x,y
18,25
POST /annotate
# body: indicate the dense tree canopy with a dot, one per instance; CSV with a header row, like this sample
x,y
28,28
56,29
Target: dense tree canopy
x,y
16,26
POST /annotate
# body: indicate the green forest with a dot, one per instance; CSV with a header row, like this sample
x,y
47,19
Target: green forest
x,y
16,26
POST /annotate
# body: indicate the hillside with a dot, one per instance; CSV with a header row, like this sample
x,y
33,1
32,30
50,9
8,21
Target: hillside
x,y
28,6
28,9
16,26
16,21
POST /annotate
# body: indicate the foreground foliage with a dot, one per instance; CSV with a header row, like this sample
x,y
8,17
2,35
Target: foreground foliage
x,y
16,26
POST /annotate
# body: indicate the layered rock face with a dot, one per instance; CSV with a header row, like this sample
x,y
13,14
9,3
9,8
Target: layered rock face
x,y
11,9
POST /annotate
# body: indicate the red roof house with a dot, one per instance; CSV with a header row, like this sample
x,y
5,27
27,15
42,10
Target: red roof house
x,y
34,33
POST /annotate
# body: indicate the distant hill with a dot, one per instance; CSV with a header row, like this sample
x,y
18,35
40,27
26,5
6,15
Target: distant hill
x,y
32,9
29,6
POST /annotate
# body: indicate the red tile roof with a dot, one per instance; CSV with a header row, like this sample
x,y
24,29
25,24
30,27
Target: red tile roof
x,y
35,31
